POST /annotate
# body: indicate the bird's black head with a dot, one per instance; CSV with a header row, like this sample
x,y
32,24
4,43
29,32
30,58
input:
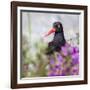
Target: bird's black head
x,y
58,27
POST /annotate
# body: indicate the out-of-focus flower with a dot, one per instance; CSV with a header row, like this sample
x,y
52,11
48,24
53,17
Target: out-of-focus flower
x,y
75,70
60,58
67,45
64,51
75,58
52,61
71,50
76,49
66,62
51,73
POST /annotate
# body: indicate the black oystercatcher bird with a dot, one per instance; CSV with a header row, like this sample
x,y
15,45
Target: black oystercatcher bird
x,y
58,40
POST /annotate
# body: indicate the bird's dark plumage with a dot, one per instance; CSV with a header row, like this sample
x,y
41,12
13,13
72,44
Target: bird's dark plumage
x,y
58,40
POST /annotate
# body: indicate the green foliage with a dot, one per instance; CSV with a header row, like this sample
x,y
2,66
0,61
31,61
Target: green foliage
x,y
36,63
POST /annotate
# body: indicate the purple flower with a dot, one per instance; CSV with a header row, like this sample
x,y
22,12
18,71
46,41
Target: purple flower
x,y
67,45
52,61
64,50
61,65
63,74
51,69
67,69
57,67
75,70
71,50
75,58
60,58
76,49
51,74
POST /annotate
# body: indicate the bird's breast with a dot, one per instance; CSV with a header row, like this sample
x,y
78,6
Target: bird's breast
x,y
58,37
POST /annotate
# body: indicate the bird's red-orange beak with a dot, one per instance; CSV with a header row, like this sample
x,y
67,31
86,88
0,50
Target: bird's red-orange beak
x,y
50,32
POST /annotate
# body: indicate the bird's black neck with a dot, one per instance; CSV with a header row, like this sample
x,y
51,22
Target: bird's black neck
x,y
59,38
